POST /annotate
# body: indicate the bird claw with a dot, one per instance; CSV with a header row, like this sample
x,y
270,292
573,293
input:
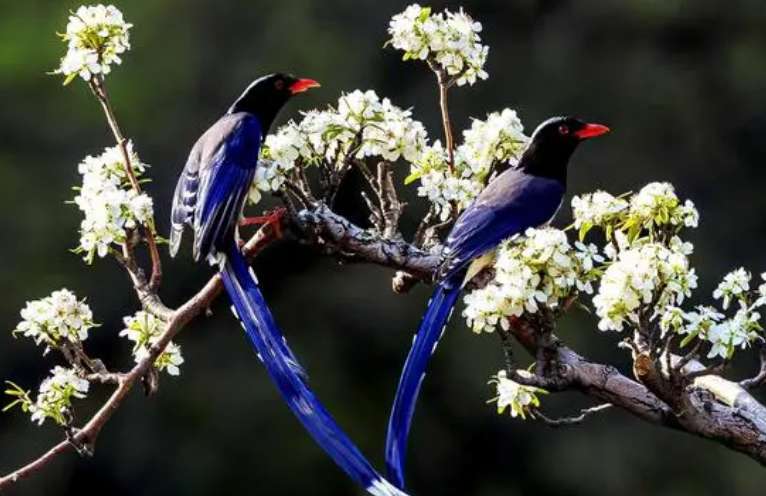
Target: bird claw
x,y
272,218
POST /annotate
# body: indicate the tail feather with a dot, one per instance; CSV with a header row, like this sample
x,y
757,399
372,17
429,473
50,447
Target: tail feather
x,y
289,378
424,345
176,232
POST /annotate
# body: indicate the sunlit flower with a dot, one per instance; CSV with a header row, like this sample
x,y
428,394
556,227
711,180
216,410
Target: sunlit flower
x,y
597,209
96,37
539,269
642,274
498,139
734,285
54,400
109,203
738,332
361,126
60,316
144,329
448,39
518,397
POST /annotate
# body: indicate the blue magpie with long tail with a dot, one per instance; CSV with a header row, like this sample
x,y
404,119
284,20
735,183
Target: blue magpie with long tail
x,y
209,197
528,195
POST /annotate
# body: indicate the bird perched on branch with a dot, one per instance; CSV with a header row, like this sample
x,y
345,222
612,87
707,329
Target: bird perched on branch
x,y
528,195
209,197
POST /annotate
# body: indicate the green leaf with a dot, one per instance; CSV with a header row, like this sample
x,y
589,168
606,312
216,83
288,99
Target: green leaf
x,y
69,79
688,339
11,405
584,228
424,13
413,177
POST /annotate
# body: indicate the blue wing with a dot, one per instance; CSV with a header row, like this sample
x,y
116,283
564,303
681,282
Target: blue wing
x,y
508,206
212,188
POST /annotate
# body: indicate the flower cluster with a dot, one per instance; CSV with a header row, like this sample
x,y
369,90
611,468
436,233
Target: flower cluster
x,y
60,316
110,205
596,209
96,37
540,269
444,187
643,273
655,206
449,40
649,271
54,399
735,285
362,125
498,139
144,329
519,397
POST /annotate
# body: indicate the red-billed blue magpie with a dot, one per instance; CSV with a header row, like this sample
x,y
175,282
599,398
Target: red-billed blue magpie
x,y
528,195
209,197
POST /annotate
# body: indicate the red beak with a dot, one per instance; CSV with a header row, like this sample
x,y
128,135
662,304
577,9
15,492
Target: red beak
x,y
591,131
302,85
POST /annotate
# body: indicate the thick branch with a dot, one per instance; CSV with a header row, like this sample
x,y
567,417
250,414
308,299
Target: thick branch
x,y
712,407
337,236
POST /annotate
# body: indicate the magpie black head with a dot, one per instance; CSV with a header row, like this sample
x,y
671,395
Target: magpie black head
x,y
266,95
553,143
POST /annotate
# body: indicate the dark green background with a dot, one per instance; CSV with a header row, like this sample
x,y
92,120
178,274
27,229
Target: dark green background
x,y
680,82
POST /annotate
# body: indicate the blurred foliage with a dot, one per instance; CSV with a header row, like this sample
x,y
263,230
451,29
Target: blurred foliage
x,y
681,83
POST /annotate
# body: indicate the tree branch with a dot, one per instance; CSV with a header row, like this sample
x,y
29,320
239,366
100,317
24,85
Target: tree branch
x,y
178,319
710,406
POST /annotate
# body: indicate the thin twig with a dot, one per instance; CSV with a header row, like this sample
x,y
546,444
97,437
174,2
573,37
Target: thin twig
x,y
99,89
759,378
570,421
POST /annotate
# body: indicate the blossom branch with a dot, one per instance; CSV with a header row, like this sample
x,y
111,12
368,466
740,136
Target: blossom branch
x,y
178,320
98,87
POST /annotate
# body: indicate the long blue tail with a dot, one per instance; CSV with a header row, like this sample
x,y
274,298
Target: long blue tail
x,y
289,378
431,330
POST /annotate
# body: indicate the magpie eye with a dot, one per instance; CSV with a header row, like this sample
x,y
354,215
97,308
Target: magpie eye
x,y
279,84
563,130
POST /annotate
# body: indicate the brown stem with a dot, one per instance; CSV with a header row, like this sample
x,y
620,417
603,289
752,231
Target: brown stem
x,y
446,123
99,89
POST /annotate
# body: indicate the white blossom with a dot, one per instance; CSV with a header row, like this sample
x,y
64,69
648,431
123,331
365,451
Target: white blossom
x,y
739,331
657,204
498,139
60,316
734,285
518,397
109,204
144,329
538,269
361,126
448,39
443,188
634,280
597,209
54,400
96,37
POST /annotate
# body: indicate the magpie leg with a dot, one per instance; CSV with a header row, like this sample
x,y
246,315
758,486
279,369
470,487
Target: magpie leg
x,y
273,218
